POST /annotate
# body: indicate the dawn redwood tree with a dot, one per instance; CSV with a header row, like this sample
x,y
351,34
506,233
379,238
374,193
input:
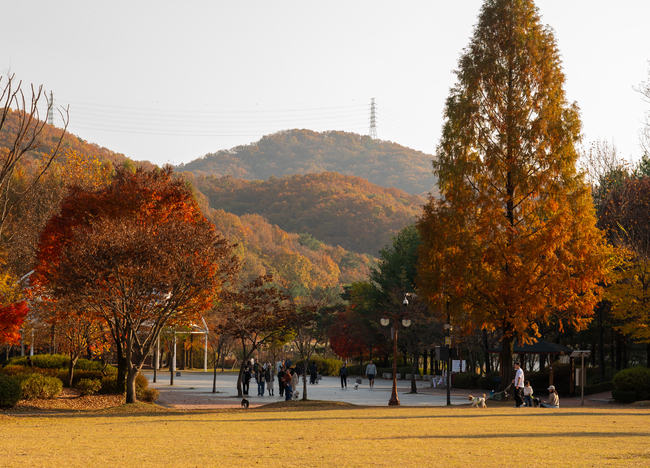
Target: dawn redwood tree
x,y
255,315
137,254
512,242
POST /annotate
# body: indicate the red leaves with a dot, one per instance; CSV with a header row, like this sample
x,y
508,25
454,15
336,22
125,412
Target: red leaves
x,y
12,317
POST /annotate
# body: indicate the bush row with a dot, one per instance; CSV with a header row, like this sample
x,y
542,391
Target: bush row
x,y
62,374
36,385
324,366
55,361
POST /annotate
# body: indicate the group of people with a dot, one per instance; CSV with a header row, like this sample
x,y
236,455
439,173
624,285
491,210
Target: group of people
x,y
371,373
524,392
264,374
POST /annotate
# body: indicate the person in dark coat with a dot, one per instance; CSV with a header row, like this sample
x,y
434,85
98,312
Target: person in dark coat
x,y
344,376
246,380
313,373
281,373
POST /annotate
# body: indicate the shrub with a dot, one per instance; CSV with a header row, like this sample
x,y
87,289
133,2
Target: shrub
x,y
599,388
487,381
78,375
10,391
149,395
624,396
37,386
324,366
635,380
466,380
109,384
141,384
88,386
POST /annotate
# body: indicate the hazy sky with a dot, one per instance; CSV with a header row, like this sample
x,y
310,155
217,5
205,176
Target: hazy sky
x,y
170,81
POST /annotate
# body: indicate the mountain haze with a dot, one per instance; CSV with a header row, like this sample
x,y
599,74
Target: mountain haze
x,y
304,151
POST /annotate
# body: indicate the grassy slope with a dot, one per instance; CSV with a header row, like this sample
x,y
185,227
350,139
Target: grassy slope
x,y
341,437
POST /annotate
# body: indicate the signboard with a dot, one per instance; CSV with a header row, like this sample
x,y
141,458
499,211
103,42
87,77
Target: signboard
x,y
447,340
457,365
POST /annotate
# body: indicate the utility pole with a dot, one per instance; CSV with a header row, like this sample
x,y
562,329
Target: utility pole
x,y
373,121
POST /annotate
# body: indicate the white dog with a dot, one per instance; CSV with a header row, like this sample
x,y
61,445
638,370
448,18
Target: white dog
x,y
478,402
296,395
356,386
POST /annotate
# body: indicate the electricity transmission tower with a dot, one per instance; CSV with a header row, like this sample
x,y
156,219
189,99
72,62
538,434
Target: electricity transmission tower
x,y
373,121
50,109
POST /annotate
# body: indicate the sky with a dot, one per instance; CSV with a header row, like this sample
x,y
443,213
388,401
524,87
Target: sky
x,y
169,81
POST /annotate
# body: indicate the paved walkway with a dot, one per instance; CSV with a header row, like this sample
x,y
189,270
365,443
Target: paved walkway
x,y
193,390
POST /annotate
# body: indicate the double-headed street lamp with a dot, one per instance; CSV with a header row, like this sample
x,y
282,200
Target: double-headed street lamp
x,y
406,322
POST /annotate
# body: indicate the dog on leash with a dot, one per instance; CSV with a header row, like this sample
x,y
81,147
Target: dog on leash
x,y
356,386
244,403
296,395
478,402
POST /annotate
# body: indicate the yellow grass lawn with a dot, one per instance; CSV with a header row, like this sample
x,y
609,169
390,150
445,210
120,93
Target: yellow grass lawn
x,y
337,436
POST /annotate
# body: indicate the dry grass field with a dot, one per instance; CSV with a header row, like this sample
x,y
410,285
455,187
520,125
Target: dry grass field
x,y
327,434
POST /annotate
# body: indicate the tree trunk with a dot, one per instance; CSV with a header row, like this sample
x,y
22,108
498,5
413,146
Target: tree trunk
x,y
488,363
73,361
130,385
122,370
507,371
214,377
414,369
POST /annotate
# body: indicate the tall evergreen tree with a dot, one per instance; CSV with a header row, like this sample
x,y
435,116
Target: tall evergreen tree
x,y
512,242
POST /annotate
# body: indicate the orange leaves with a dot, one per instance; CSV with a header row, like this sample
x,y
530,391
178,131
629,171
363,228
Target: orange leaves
x,y
12,317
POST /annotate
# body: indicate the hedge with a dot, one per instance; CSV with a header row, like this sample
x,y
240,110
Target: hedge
x,y
324,366
632,384
466,380
88,386
10,391
57,361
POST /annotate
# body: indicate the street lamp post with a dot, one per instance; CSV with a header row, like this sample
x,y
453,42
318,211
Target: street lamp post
x,y
394,399
448,344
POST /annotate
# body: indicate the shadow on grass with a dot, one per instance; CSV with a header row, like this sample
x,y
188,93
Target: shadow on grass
x,y
519,435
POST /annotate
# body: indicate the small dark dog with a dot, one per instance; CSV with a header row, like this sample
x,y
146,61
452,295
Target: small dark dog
x,y
244,403
537,402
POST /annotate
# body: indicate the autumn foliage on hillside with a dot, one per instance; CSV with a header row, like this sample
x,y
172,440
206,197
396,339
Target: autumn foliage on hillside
x,y
48,140
336,209
301,260
304,151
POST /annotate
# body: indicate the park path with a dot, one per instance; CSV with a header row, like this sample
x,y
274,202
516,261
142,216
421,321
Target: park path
x,y
193,390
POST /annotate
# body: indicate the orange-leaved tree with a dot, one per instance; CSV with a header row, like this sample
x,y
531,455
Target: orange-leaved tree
x,y
137,253
512,242
256,315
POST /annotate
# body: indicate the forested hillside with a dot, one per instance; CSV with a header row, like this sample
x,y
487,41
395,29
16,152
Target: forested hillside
x,y
299,260
303,151
49,138
336,209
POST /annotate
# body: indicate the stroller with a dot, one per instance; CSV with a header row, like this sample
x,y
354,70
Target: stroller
x,y
500,396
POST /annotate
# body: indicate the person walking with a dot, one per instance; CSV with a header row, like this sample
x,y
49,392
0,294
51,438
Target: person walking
x,y
313,373
261,379
344,376
519,385
295,380
287,385
281,373
371,372
246,380
269,378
